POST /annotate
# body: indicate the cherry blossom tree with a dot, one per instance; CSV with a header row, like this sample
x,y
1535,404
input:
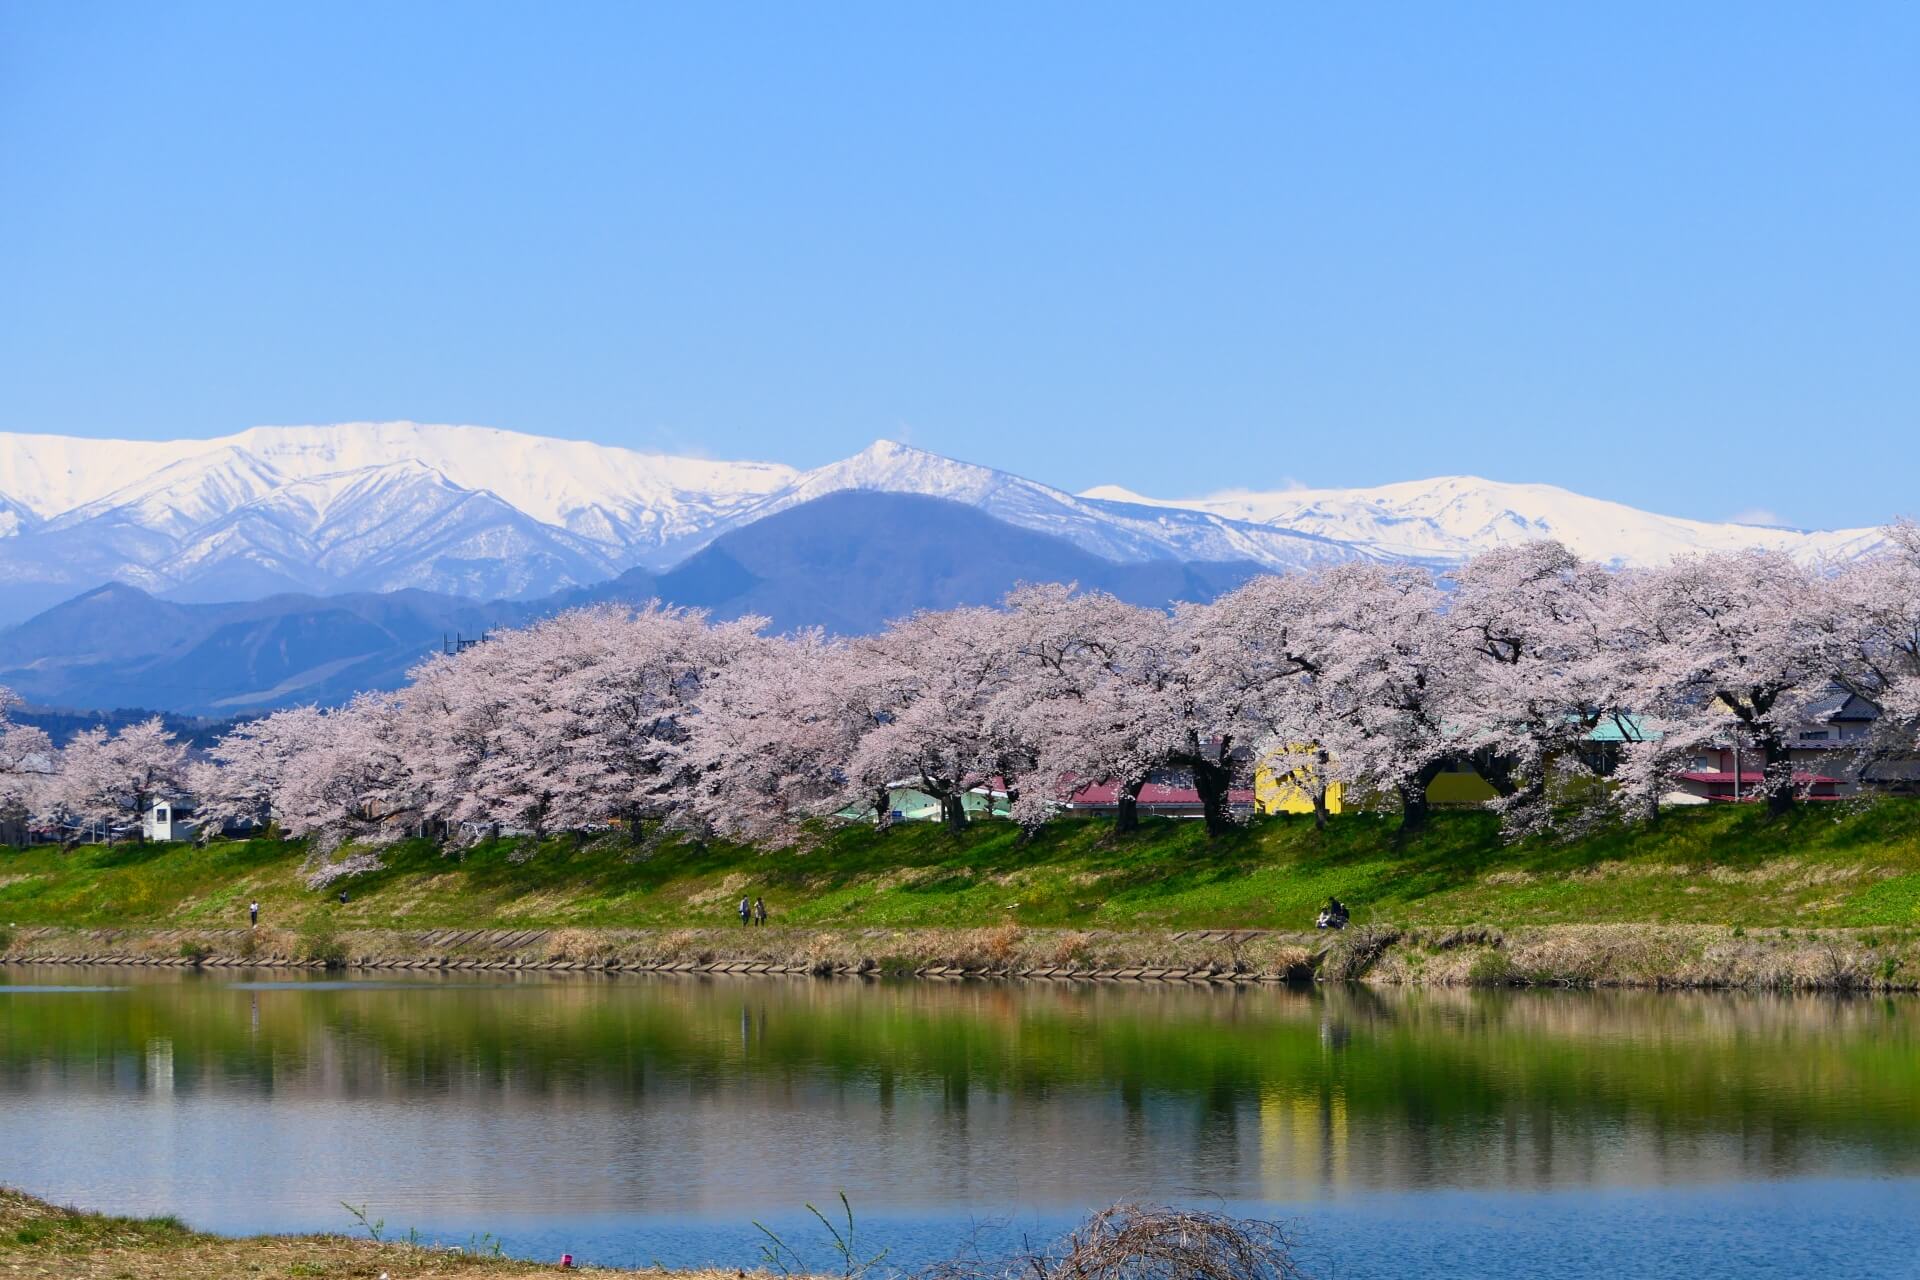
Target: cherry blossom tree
x,y
1876,643
580,720
1114,694
1547,657
1395,710
351,775
1063,650
104,777
26,764
776,728
1735,643
1265,651
244,771
933,680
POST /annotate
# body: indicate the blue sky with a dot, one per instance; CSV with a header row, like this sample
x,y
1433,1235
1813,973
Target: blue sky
x,y
1668,254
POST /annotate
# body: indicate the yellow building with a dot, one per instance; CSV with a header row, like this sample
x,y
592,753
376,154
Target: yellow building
x,y
1291,791
1457,786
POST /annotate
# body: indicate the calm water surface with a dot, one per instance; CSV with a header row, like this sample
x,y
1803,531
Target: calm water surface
x,y
634,1120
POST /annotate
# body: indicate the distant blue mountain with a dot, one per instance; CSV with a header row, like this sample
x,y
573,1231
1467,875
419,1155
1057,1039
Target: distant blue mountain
x,y
851,561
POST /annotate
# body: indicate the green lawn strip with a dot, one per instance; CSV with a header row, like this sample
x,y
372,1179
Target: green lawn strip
x,y
1833,866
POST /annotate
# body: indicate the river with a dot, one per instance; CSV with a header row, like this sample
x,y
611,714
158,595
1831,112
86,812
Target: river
x,y
634,1120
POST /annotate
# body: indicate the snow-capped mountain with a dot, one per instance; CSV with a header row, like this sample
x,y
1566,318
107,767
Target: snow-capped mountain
x,y
610,495
355,507
1445,520
481,512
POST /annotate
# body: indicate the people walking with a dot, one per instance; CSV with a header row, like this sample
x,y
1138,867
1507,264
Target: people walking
x,y
746,911
253,913
759,911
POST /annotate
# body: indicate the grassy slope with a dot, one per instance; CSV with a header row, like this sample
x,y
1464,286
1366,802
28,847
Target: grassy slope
x,y
1828,866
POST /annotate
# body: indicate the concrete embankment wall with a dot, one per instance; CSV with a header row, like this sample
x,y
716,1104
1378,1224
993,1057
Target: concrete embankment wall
x,y
1655,956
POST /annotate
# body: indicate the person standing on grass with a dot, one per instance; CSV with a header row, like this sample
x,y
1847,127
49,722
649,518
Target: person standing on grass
x,y
253,913
746,911
760,911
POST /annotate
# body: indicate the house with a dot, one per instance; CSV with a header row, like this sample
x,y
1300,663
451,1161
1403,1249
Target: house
x,y
1168,793
907,803
167,820
1821,749
1743,783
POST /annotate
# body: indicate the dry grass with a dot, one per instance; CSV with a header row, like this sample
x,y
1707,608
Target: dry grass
x,y
1672,956
42,1240
1598,955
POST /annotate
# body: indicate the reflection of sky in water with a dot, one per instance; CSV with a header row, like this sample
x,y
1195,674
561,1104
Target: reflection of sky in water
x,y
636,1119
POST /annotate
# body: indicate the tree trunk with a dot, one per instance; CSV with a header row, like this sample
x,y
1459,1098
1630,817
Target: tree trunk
x,y
953,811
1127,818
1212,782
882,809
1497,769
1414,808
1779,776
1320,790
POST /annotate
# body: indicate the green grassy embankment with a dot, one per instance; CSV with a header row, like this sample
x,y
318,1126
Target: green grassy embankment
x,y
1852,866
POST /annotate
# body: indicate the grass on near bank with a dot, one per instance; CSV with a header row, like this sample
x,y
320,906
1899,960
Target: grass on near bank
x,y
1829,866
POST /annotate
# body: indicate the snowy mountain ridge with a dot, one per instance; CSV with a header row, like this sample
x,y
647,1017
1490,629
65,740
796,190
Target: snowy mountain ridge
x,y
483,512
1448,518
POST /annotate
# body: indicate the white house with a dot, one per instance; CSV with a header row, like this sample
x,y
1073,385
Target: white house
x,y
168,820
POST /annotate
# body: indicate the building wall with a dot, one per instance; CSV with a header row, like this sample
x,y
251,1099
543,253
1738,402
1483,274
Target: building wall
x,y
1286,794
1461,787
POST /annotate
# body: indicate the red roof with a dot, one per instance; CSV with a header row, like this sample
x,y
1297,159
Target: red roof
x,y
1750,777
1107,796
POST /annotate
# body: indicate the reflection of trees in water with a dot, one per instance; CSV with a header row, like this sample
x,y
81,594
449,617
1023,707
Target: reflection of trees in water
x,y
1284,1089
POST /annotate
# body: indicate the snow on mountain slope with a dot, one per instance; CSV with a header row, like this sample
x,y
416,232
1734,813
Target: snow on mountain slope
x,y
621,497
15,517
1119,531
181,496
381,528
618,496
1445,520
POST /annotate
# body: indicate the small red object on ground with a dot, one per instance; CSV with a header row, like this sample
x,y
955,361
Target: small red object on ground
x,y
566,1262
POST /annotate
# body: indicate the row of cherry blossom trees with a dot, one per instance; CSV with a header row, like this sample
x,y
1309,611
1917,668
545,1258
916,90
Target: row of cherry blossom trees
x,y
1575,691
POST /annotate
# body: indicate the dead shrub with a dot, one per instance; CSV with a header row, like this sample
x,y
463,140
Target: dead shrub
x,y
1349,958
1002,944
576,946
1145,1242
1069,951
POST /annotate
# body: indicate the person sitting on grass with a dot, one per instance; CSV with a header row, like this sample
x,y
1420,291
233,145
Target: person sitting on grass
x,y
1332,916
